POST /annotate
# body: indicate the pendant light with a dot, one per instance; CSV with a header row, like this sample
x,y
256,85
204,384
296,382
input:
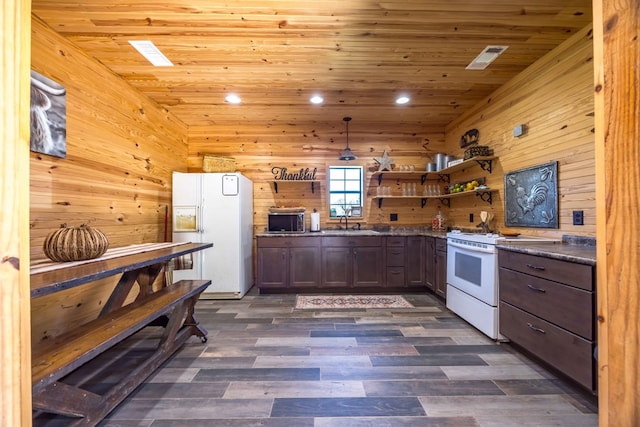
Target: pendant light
x,y
347,154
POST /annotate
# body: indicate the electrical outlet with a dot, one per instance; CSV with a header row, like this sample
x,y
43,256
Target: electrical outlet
x,y
471,217
393,217
578,217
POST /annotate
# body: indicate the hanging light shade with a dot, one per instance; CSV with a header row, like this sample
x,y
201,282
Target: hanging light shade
x,y
347,154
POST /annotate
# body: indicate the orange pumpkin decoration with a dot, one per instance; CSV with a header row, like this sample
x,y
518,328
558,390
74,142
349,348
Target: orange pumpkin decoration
x,y
75,243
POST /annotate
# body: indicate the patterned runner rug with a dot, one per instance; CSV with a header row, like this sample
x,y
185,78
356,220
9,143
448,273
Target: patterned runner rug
x,y
351,301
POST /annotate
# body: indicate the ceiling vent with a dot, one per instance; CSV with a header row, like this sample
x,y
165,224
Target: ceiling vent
x,y
486,57
151,52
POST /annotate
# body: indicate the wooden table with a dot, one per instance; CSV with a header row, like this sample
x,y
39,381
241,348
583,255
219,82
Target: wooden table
x,y
170,306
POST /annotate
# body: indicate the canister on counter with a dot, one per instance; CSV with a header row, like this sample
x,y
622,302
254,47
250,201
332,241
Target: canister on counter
x,y
438,223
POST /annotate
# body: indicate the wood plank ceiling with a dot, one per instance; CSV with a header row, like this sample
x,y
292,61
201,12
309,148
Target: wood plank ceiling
x,y
359,54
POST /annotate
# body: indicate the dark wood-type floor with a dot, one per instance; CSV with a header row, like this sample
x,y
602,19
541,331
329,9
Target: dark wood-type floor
x,y
268,364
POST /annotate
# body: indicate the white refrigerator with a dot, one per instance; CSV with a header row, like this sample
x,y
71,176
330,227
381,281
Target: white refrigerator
x,y
216,208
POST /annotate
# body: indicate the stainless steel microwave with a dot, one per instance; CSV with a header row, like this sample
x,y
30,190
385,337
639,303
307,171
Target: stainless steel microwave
x,y
281,222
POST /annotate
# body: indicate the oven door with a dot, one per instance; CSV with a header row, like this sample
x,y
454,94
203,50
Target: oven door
x,y
473,271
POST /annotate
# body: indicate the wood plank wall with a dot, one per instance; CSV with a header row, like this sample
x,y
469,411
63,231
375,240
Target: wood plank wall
x,y
553,98
257,150
121,150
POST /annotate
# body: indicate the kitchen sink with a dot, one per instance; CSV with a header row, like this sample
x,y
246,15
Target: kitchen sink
x,y
349,233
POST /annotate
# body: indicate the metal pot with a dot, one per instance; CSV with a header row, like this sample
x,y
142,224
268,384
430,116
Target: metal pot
x,y
432,167
439,160
447,159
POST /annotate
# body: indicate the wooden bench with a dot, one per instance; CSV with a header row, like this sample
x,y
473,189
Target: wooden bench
x,y
171,307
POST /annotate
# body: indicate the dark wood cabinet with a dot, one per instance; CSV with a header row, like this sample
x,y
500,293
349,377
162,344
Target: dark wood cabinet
x,y
284,262
367,266
336,267
395,261
338,263
441,268
430,263
547,307
416,259
272,267
352,261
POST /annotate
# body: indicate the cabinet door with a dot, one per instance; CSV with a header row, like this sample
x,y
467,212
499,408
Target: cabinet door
x,y
441,274
273,266
367,266
430,263
305,267
416,258
336,266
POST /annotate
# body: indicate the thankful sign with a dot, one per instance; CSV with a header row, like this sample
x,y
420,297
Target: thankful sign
x,y
283,174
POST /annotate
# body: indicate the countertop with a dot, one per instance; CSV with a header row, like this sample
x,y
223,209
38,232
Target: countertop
x,y
582,254
401,231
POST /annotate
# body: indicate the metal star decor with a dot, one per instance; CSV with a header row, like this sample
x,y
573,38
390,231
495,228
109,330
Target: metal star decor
x,y
384,162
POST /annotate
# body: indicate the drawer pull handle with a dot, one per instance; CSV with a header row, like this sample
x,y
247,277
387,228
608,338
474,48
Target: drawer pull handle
x,y
536,329
533,288
535,267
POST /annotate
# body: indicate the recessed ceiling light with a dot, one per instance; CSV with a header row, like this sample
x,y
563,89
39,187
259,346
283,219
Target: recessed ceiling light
x,y
486,57
403,99
232,98
151,52
316,99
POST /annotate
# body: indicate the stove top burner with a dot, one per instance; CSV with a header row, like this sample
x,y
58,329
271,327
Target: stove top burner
x,y
488,238
494,238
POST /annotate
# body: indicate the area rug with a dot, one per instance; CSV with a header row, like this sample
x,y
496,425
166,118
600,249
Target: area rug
x,y
351,301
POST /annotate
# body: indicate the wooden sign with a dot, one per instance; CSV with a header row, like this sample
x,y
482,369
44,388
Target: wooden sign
x,y
283,174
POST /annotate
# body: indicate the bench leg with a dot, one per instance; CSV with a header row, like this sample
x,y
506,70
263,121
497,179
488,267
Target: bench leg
x,y
191,322
70,400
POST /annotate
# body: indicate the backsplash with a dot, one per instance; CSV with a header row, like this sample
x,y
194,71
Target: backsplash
x,y
579,240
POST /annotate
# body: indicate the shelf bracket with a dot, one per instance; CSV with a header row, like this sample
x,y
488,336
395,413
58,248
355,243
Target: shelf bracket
x,y
313,187
380,203
380,179
444,178
423,202
423,179
486,196
485,165
446,202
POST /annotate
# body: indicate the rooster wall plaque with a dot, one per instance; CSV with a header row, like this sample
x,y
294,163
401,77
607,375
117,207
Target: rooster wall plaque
x,y
531,197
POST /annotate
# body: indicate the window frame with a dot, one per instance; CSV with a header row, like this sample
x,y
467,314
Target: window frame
x,y
360,192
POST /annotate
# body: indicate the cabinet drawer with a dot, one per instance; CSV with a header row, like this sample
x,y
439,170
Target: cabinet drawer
x,y
441,244
395,256
395,276
395,241
578,275
563,350
568,307
287,242
352,241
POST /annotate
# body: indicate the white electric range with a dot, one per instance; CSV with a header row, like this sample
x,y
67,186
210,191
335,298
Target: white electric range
x,y
472,277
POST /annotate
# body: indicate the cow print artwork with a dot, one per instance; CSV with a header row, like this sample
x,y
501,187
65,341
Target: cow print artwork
x,y
48,119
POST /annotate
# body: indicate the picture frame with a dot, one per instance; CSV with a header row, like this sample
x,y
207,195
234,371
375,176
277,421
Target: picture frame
x,y
531,197
48,119
185,219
